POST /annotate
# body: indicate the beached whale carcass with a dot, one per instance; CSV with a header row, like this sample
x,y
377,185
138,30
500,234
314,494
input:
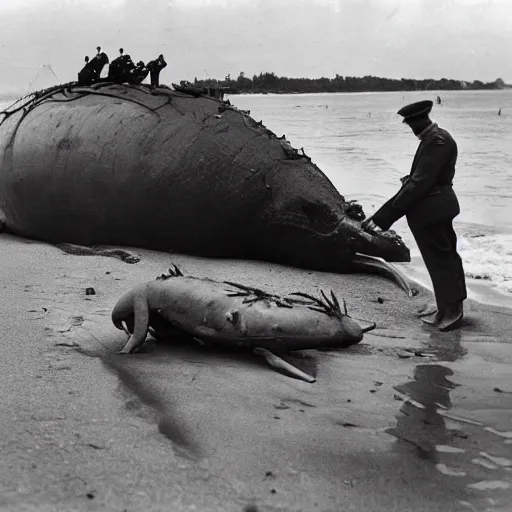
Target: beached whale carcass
x,y
161,169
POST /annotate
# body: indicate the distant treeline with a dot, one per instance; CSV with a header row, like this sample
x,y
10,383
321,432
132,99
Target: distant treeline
x,y
271,83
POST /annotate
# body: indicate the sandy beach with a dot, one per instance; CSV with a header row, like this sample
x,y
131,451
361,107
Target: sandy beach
x,y
262,129
409,419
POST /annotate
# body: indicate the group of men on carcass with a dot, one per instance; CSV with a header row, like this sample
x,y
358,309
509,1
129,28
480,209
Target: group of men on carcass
x,y
121,69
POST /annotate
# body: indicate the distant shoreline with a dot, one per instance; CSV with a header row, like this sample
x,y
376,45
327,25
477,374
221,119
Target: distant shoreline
x,y
434,91
270,83
283,85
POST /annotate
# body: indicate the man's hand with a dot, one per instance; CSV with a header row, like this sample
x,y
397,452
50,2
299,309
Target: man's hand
x,y
369,225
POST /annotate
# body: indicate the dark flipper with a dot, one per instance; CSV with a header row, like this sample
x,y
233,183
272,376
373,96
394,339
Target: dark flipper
x,y
83,250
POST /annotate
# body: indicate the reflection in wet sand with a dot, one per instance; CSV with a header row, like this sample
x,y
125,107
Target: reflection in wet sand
x,y
473,461
447,346
424,427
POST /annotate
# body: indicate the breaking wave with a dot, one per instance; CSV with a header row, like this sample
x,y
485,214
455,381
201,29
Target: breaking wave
x,y
488,258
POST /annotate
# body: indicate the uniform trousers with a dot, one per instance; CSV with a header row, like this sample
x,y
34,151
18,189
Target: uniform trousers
x,y
437,243
154,77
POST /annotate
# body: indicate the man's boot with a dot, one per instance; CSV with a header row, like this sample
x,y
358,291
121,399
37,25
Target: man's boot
x,y
452,317
434,318
427,310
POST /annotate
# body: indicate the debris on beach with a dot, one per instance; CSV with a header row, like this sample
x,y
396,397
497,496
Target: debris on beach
x,y
499,390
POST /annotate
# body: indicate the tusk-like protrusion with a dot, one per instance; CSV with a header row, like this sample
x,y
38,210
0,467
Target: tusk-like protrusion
x,y
369,328
125,328
376,265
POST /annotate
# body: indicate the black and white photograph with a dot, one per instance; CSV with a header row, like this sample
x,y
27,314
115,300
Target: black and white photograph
x,y
256,255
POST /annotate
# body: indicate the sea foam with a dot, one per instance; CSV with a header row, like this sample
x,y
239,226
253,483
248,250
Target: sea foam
x,y
488,258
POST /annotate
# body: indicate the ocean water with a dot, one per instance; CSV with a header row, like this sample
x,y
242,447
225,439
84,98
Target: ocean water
x,y
359,142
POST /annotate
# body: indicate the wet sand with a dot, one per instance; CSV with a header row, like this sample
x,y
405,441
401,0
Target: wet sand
x,y
409,419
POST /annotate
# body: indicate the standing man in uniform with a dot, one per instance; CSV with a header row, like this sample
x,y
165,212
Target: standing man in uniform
x,y
430,205
114,69
98,62
87,74
155,66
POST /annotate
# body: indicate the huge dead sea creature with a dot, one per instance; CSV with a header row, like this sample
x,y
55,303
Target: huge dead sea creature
x,y
230,314
160,169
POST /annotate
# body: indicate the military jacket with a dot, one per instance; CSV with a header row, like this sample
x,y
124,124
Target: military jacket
x,y
426,195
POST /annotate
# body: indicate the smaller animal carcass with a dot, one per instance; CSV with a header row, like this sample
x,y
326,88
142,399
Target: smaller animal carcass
x,y
234,315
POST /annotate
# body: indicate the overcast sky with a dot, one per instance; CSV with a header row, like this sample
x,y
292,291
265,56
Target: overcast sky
x,y
461,39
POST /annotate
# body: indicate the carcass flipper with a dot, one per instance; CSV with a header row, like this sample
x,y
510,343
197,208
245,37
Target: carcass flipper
x,y
141,323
